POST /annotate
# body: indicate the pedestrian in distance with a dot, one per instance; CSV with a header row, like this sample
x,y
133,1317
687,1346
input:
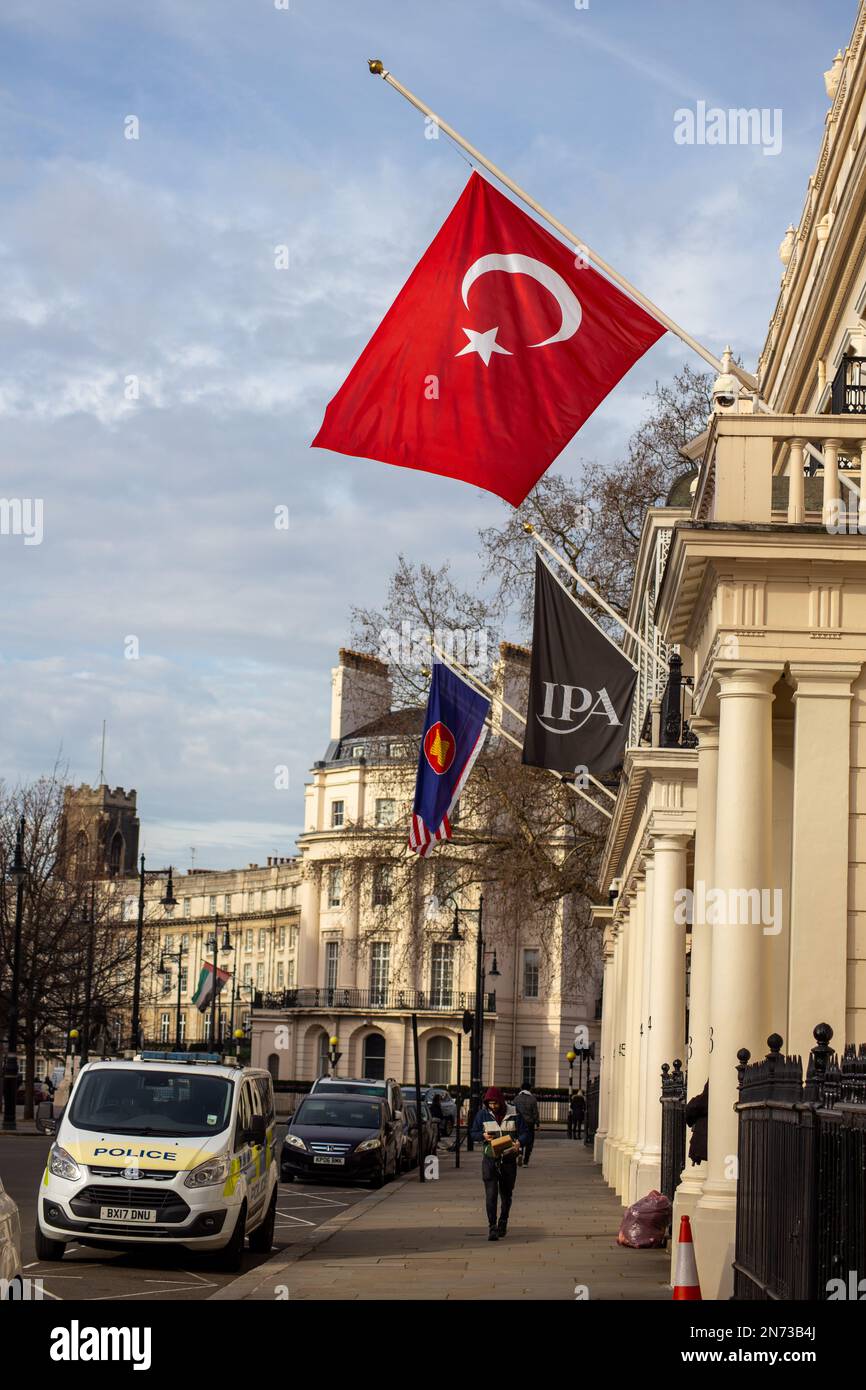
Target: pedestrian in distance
x,y
527,1108
578,1114
499,1131
436,1114
697,1115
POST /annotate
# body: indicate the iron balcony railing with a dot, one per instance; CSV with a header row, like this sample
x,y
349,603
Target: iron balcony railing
x,y
391,999
848,394
674,731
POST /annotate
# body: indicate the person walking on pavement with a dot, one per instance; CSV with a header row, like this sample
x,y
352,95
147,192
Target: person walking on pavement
x,y
492,1124
697,1115
436,1114
527,1108
578,1113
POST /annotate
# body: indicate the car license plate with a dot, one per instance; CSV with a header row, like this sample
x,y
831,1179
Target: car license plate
x,y
319,1159
128,1214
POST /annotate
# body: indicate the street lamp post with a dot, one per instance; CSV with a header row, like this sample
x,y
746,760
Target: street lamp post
x,y
168,900
476,1048
18,876
217,947
88,975
177,956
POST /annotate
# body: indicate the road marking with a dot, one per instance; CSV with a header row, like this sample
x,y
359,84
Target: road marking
x,y
143,1293
299,1219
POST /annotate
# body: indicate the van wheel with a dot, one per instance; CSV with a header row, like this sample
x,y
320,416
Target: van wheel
x,y
262,1237
448,1128
378,1179
47,1249
229,1258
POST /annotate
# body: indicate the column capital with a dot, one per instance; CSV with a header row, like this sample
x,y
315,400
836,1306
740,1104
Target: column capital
x,y
738,681
824,679
668,841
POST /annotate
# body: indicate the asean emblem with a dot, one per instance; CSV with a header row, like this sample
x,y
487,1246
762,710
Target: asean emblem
x,y
439,746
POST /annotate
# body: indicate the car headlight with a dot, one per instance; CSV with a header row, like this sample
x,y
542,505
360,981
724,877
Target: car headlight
x,y
63,1165
368,1144
208,1174
296,1141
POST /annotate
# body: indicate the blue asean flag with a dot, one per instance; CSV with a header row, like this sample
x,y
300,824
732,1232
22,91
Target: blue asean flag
x,y
454,731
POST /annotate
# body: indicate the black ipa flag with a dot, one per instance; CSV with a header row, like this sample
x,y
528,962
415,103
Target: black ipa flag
x,y
581,687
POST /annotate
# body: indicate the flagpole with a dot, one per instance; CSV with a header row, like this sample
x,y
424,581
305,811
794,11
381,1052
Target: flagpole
x,y
378,69
528,526
485,690
572,786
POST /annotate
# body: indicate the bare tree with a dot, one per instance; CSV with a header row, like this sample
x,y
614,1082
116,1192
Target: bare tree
x,y
61,915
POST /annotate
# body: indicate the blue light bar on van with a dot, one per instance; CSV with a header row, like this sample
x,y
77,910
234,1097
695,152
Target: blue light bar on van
x,y
179,1057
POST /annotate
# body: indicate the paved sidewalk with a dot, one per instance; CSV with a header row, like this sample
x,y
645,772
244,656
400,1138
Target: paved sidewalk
x,y
430,1242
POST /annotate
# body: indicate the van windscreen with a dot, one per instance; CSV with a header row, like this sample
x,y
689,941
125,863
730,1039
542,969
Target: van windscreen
x,y
151,1101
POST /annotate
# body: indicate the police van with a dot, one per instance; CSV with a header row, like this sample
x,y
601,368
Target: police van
x,y
168,1149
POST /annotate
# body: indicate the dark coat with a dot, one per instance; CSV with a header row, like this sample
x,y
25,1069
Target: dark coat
x,y
697,1111
578,1106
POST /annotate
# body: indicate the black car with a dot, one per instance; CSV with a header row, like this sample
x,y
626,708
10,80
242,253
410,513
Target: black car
x,y
349,1137
429,1133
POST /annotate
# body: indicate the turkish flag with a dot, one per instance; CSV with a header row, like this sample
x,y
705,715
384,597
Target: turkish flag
x,y
499,346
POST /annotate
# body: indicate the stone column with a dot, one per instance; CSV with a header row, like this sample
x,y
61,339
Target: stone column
x,y
607,992
743,864
698,1041
614,1059
629,1039
667,1001
817,979
796,483
642,1041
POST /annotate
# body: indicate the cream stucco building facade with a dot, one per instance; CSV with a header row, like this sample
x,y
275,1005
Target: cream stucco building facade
x,y
734,876
374,948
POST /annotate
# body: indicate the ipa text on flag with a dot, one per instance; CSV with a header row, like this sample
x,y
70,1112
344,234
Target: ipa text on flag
x,y
581,687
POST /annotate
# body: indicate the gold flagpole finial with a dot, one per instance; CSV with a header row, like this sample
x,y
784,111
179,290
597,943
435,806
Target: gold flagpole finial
x,y
529,528
376,66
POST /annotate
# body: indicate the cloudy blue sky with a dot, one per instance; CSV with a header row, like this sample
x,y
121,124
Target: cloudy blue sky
x,y
153,259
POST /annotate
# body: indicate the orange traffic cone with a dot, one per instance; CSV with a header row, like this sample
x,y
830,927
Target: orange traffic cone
x,y
686,1284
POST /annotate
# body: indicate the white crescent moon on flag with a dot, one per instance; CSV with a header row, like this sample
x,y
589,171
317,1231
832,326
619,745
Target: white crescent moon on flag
x,y
515,264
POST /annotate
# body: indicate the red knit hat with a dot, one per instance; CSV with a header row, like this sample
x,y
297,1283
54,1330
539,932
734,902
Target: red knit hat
x,y
494,1098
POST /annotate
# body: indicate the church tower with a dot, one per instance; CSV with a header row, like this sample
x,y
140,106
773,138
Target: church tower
x,y
99,833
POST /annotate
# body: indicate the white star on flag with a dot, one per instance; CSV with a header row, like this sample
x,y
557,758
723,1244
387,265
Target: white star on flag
x,y
484,344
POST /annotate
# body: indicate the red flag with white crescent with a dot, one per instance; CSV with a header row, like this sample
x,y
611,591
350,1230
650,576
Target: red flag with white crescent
x,y
499,346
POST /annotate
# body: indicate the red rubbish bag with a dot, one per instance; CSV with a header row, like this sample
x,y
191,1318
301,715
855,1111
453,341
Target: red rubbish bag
x,y
645,1224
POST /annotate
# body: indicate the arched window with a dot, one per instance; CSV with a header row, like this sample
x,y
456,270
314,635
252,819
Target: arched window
x,y
374,1057
439,1052
274,1066
115,854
